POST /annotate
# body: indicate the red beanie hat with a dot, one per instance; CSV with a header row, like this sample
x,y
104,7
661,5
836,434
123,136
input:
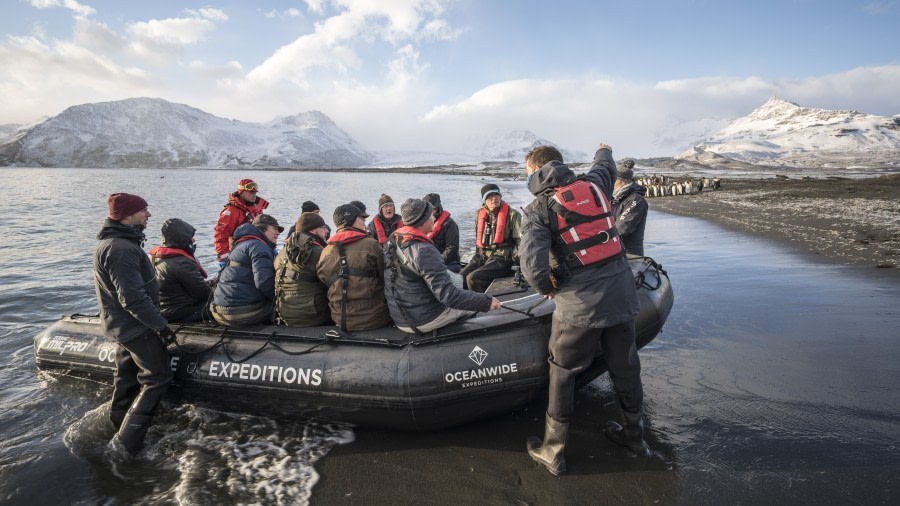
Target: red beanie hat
x,y
247,185
122,205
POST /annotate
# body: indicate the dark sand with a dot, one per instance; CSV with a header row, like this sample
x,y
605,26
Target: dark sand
x,y
854,222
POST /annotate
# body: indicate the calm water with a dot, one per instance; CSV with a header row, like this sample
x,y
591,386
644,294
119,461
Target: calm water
x,y
773,379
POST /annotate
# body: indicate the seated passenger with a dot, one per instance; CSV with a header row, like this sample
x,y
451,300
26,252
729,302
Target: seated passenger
x,y
420,295
309,207
246,287
386,221
183,289
445,234
497,235
356,291
300,298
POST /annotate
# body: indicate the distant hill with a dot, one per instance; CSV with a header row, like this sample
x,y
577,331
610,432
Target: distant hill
x,y
148,132
781,133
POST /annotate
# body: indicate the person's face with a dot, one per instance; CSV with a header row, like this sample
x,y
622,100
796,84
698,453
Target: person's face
x,y
272,234
387,211
321,232
248,196
360,222
138,218
435,212
493,202
619,184
428,226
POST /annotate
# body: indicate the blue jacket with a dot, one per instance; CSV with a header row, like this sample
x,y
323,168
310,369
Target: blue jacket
x,y
249,276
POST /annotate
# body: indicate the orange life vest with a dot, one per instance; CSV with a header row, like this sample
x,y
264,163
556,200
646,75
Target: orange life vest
x,y
499,232
380,232
438,224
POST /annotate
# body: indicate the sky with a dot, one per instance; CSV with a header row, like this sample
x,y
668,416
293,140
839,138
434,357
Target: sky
x,y
438,75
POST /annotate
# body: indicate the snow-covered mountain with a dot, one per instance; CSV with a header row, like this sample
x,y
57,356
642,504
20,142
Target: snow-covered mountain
x,y
147,132
782,133
513,145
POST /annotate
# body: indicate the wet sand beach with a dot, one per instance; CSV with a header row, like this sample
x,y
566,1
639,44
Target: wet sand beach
x,y
849,221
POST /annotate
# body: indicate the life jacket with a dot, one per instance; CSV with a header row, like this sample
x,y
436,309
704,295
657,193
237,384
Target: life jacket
x,y
583,225
499,231
438,224
380,233
163,252
341,239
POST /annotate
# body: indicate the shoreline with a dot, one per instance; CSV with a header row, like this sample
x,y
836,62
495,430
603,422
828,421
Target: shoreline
x,y
850,222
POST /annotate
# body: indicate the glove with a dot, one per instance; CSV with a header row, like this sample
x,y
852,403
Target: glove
x,y
223,260
167,336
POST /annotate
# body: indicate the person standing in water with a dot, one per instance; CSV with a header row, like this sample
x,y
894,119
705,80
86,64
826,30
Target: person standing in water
x,y
128,296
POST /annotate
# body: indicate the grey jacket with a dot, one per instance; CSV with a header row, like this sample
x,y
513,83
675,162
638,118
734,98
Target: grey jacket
x,y
596,296
420,289
125,283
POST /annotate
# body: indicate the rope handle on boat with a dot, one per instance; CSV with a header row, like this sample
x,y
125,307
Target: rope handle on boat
x,y
528,311
328,337
640,280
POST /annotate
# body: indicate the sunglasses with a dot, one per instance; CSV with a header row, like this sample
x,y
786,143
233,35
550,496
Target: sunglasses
x,y
249,187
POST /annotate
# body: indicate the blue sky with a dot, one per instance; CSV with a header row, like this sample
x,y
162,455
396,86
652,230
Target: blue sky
x,y
644,76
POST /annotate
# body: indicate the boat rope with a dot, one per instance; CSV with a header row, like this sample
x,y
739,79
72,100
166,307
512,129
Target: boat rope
x,y
640,279
527,312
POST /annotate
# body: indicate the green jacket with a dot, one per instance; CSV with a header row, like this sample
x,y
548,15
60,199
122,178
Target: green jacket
x,y
509,248
300,298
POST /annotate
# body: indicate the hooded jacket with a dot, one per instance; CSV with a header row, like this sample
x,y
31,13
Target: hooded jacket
x,y
416,283
182,281
235,213
300,298
631,217
125,283
249,276
597,296
366,307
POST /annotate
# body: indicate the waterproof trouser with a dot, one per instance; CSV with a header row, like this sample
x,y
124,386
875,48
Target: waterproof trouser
x,y
142,377
573,349
479,274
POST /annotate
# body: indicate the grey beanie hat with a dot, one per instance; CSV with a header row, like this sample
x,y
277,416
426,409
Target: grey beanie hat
x,y
626,174
415,212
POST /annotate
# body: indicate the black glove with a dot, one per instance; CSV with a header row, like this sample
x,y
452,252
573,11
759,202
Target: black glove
x,y
167,336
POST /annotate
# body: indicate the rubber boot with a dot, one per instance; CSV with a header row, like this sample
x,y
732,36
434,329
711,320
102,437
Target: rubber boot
x,y
551,452
131,434
116,416
631,435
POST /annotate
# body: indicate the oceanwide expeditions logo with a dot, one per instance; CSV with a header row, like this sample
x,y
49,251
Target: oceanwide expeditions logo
x,y
486,375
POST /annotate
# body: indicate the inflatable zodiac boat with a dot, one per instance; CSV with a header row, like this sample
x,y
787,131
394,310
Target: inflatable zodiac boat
x,y
489,364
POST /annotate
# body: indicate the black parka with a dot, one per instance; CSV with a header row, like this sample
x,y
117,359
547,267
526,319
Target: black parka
x,y
182,282
125,283
596,296
631,217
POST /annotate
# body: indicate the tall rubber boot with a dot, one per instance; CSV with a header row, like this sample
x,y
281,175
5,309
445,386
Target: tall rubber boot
x,y
131,434
551,452
630,436
116,416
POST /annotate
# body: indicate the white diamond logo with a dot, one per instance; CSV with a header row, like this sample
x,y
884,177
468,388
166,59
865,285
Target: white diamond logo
x,y
478,355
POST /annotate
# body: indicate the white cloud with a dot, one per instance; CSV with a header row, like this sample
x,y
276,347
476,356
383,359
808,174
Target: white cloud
x,y
287,13
72,5
159,41
208,13
316,6
230,70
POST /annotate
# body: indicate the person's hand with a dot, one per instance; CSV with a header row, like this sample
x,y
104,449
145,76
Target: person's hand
x,y
223,260
551,295
604,146
495,303
167,336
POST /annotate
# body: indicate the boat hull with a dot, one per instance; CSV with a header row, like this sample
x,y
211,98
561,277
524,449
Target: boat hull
x,y
491,364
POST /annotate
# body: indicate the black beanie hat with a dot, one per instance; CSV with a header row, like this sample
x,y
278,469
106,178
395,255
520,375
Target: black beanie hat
x,y
487,190
308,207
415,212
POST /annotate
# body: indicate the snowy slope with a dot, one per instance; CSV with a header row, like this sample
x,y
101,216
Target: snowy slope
x,y
145,132
513,145
783,133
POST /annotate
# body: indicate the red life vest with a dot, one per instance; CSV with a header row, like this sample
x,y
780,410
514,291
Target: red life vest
x,y
380,232
583,224
499,232
164,252
347,236
405,234
438,224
